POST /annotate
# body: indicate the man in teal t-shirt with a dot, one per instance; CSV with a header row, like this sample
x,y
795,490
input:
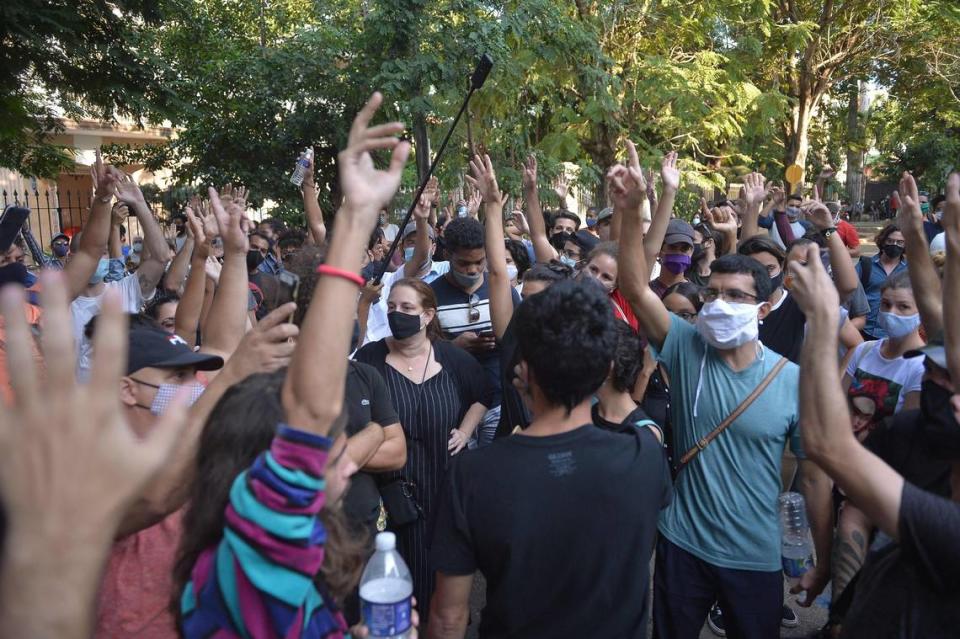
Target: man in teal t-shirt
x,y
720,537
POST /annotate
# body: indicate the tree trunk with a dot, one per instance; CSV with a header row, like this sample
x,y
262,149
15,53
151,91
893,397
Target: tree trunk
x,y
798,141
421,143
854,149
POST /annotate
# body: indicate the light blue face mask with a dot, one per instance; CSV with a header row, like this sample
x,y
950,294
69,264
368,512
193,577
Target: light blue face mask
x,y
898,326
103,267
572,263
408,254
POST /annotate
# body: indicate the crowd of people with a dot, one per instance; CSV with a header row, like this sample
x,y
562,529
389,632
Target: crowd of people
x,y
202,434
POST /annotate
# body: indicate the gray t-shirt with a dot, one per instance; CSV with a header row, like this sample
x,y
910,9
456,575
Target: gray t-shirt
x,y
857,303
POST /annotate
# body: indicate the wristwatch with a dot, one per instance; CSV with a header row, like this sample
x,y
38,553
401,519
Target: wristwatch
x,y
828,232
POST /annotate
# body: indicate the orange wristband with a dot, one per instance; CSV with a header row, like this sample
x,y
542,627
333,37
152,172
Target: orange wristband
x,y
333,271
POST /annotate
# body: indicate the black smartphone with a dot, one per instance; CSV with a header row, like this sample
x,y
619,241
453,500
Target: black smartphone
x,y
10,224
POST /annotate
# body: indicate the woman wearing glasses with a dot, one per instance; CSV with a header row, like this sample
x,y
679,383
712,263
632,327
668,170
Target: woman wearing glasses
x,y
441,393
873,272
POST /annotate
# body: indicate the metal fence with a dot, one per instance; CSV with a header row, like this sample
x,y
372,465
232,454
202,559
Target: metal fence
x,y
66,211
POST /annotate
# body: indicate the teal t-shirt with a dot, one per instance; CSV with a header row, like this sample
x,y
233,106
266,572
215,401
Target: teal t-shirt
x,y
724,509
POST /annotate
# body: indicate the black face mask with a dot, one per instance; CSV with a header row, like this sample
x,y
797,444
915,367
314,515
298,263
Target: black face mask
x,y
697,253
254,259
777,280
940,427
403,325
893,251
15,273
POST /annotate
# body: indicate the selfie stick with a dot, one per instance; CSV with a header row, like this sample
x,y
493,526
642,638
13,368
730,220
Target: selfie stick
x,y
476,81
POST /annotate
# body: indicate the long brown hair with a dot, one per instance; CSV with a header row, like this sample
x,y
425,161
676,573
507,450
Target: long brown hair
x,y
428,300
242,426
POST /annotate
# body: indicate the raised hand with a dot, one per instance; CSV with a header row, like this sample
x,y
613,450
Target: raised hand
x,y
229,224
201,245
628,189
813,288
530,173
518,203
366,189
128,191
105,179
754,189
269,345
669,173
561,187
69,461
909,215
721,220
521,221
951,211
484,179
119,214
818,213
473,205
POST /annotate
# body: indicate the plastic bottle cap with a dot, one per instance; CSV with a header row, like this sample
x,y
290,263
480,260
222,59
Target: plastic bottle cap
x,y
386,541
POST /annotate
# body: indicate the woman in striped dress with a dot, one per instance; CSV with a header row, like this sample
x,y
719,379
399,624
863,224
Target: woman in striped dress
x,y
441,393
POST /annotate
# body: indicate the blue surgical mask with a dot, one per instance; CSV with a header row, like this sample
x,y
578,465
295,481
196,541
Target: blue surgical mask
x,y
938,216
408,254
898,326
103,267
793,213
569,261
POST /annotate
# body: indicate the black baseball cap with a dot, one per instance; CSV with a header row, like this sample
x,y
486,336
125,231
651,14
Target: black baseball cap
x,y
678,232
58,236
151,348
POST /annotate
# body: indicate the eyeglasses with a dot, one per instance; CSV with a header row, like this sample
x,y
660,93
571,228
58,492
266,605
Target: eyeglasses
x,y
473,313
60,243
894,243
732,295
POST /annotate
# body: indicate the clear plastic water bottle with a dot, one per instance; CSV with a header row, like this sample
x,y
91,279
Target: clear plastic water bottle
x,y
796,547
386,589
303,165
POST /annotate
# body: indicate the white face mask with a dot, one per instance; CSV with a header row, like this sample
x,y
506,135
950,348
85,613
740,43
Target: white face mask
x,y
511,272
725,326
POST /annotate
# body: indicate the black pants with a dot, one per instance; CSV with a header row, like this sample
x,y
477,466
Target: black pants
x,y
685,588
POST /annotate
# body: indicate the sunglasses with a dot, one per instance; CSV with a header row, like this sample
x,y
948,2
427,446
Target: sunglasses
x,y
473,313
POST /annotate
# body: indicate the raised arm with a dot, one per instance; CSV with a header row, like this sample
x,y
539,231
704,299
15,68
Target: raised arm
x,y
117,215
227,320
155,246
653,238
844,275
634,278
951,277
96,231
754,192
416,266
542,249
316,229
825,426
313,390
722,221
923,273
179,267
191,302
501,296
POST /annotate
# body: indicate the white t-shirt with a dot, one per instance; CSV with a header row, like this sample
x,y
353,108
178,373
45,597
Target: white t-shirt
x,y
886,381
390,231
377,325
83,309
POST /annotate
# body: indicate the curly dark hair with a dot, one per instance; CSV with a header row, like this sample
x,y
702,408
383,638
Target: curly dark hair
x,y
885,233
463,233
241,427
627,359
552,271
161,297
736,263
566,336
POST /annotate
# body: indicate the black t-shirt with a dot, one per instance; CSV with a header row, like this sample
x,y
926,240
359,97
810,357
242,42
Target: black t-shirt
x,y
898,440
366,400
562,527
513,412
637,416
912,589
782,330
